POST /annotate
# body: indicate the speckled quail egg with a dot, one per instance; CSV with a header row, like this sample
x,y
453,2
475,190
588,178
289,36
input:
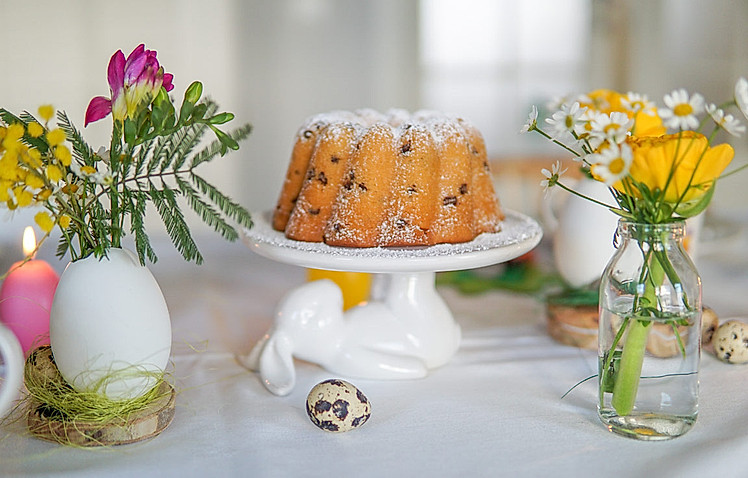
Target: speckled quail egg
x,y
337,406
709,324
730,342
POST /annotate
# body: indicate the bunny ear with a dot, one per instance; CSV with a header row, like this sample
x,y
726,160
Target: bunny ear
x,y
276,364
252,360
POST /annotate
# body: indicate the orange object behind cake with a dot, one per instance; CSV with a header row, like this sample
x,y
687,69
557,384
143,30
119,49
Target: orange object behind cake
x,y
367,179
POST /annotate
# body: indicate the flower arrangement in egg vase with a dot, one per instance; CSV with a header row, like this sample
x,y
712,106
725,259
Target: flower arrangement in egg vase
x,y
660,166
110,330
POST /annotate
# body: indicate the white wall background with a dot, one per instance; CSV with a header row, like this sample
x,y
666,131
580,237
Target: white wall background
x,y
275,62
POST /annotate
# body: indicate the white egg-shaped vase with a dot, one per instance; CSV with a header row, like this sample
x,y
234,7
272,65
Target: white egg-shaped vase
x,y
583,240
110,330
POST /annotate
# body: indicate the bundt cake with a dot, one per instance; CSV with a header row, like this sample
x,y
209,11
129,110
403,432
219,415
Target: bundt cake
x,y
365,179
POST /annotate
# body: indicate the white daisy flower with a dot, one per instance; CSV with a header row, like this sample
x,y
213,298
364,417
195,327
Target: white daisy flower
x,y
559,101
613,127
567,120
103,153
681,110
612,163
532,121
727,122
636,102
741,95
91,173
551,177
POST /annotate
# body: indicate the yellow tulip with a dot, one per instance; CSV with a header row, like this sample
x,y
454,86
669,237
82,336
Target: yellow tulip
x,y
608,101
354,285
684,166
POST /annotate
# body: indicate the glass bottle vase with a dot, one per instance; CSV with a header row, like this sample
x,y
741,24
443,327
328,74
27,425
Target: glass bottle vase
x,y
649,341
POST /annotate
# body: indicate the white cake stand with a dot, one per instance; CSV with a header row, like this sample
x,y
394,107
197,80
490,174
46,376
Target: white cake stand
x,y
402,332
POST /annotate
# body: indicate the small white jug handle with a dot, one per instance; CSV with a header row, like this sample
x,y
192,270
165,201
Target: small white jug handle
x,y
13,362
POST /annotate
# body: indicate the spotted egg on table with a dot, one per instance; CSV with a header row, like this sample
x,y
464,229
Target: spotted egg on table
x,y
337,406
730,342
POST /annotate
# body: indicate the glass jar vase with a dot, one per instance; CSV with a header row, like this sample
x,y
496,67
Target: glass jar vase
x,y
649,341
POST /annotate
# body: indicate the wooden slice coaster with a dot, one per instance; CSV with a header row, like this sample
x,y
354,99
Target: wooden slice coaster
x,y
47,424
574,325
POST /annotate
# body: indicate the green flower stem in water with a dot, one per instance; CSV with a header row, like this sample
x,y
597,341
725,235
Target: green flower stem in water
x,y
632,358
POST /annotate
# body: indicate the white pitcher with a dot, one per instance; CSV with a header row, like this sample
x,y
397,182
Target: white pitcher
x,y
11,368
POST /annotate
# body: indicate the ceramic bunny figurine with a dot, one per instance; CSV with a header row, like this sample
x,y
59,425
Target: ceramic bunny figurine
x,y
405,330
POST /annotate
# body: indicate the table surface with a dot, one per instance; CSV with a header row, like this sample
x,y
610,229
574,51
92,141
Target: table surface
x,y
495,410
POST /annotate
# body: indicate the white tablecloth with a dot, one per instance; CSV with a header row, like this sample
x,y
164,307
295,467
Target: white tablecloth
x,y
494,410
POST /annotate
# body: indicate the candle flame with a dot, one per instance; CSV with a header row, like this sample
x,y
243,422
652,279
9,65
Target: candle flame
x,y
29,241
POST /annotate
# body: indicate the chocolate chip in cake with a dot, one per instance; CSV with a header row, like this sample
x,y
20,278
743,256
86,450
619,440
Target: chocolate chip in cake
x,y
463,188
313,211
412,189
334,159
322,178
401,223
363,187
450,200
405,149
310,173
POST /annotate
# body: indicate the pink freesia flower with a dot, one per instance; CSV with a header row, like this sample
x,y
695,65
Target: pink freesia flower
x,y
131,80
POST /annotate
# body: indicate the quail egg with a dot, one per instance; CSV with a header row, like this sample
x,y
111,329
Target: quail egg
x,y
731,342
337,406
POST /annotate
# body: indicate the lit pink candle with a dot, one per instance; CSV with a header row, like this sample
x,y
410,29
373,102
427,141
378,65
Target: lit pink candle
x,y
26,297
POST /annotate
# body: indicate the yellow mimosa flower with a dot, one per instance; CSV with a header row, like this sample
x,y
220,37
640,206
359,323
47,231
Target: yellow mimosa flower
x,y
35,129
4,187
34,158
33,181
54,173
686,159
23,196
44,221
46,112
12,136
63,154
55,137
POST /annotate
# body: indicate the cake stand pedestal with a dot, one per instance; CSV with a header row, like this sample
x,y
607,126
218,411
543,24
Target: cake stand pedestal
x,y
402,332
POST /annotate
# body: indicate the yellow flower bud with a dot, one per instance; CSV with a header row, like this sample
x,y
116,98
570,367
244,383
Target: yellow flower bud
x,y
88,170
46,112
54,173
44,221
64,221
35,129
44,194
63,154
70,189
55,137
